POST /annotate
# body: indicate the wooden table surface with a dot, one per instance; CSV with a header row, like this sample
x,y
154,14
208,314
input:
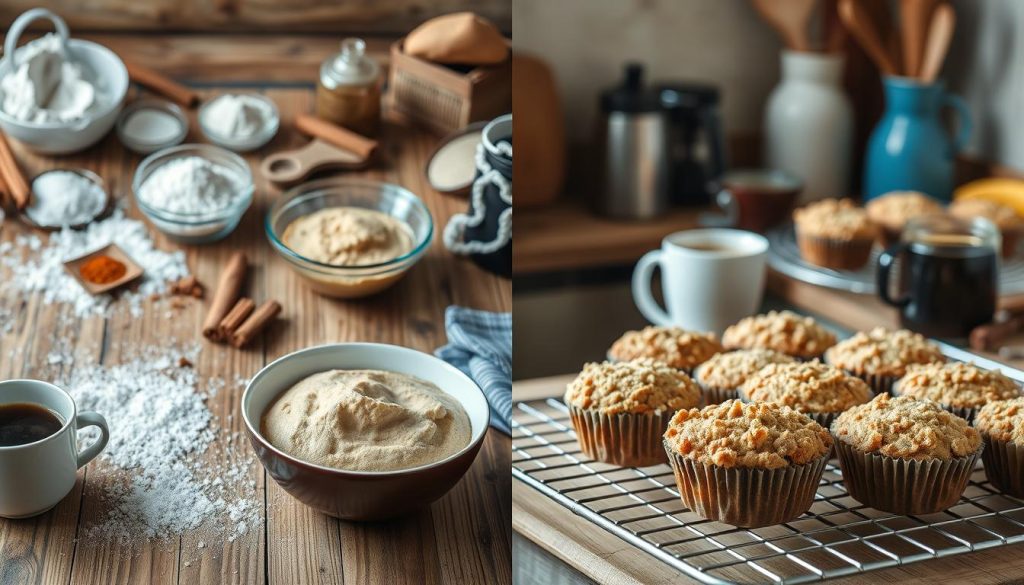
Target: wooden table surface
x,y
463,538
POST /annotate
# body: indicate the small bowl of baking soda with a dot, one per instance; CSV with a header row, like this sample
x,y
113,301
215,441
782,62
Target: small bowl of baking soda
x,y
194,193
239,122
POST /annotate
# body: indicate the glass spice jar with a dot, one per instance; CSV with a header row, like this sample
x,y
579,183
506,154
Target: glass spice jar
x,y
348,92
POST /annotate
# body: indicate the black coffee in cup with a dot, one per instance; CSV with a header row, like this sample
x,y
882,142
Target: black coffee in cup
x,y
949,275
24,423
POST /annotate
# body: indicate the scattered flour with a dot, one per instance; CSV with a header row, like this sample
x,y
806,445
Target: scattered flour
x,y
39,267
162,479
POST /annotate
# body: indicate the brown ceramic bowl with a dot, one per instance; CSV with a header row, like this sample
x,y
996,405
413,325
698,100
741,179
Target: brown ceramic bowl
x,y
362,495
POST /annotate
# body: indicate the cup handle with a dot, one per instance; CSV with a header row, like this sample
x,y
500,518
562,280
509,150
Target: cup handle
x,y
21,23
963,114
92,419
885,260
730,216
642,289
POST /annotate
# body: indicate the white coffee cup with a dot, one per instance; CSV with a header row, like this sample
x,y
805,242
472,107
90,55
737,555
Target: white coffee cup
x,y
711,278
35,477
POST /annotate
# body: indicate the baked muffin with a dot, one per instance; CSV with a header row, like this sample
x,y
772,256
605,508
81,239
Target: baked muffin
x,y
834,233
620,410
960,388
818,390
1001,424
679,348
721,376
905,456
784,331
881,356
1010,225
747,465
890,212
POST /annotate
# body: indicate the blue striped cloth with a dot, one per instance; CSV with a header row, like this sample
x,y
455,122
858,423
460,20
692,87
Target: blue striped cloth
x,y
480,344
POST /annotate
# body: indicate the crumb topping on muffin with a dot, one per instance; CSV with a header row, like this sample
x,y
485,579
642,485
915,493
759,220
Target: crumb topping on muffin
x,y
807,387
783,331
882,352
1002,420
893,209
637,387
906,428
676,347
834,218
956,384
1004,216
729,370
733,434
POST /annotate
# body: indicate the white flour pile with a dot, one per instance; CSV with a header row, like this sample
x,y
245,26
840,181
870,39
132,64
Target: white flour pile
x,y
38,267
191,185
160,428
61,198
238,116
47,86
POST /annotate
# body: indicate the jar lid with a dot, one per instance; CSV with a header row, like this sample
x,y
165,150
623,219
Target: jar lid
x,y
452,167
349,67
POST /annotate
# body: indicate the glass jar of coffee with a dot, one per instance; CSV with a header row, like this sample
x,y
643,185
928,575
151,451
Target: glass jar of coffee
x,y
348,91
948,275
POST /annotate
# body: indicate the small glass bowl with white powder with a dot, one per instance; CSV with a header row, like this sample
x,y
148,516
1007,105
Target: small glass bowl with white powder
x,y
147,125
239,121
194,193
66,198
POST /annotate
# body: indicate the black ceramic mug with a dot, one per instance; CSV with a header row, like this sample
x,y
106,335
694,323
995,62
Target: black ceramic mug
x,y
949,275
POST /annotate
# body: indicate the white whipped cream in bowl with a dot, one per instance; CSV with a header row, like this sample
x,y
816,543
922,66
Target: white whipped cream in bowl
x,y
58,95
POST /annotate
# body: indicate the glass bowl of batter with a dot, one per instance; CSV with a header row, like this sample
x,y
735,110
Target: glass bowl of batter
x,y
349,238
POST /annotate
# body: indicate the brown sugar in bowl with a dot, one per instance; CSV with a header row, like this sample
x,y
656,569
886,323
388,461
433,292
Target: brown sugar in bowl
x,y
362,495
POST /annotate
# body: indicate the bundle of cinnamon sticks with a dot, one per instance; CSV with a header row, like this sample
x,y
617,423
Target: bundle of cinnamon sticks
x,y
13,184
232,318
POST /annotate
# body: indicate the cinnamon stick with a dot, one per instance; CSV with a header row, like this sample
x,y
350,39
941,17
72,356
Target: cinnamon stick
x,y
255,323
336,135
13,178
235,317
228,289
162,84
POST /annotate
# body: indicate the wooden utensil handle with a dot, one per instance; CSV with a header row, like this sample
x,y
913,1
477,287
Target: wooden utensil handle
x,y
14,179
162,84
345,139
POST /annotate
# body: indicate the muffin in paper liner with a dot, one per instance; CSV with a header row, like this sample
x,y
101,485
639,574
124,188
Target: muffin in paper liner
x,y
748,497
965,412
834,253
623,439
880,384
904,486
713,395
688,371
1004,465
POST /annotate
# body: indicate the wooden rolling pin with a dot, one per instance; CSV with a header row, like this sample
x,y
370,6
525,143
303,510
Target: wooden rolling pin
x,y
332,147
162,84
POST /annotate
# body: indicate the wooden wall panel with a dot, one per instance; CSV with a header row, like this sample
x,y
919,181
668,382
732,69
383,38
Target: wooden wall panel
x,y
380,16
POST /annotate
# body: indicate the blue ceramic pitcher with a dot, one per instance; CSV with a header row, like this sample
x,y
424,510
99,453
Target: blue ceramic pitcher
x,y
909,149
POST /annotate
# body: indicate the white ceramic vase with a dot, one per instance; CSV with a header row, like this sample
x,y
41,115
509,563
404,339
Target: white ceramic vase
x,y
808,125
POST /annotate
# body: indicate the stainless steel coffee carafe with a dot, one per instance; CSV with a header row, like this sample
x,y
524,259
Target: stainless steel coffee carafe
x,y
659,146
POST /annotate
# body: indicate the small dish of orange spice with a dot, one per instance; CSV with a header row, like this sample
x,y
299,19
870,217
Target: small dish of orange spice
x,y
104,269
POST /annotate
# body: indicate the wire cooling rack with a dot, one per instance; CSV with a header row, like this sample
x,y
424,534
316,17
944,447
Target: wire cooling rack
x,y
837,536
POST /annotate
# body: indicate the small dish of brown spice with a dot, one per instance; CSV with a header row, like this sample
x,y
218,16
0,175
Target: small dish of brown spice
x,y
104,269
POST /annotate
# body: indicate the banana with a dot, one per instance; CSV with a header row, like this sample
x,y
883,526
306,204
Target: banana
x,y
1002,190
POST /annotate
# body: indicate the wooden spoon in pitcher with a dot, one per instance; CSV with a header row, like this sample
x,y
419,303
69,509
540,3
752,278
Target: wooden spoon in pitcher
x,y
940,33
858,21
790,18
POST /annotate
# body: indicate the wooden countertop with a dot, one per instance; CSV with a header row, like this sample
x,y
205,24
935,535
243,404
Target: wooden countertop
x,y
462,538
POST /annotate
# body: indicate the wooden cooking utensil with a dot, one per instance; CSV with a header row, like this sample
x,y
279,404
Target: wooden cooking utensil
x,y
914,20
790,18
332,147
940,33
858,21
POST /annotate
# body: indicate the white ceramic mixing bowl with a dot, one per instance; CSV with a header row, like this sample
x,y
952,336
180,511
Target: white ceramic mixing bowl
x,y
101,65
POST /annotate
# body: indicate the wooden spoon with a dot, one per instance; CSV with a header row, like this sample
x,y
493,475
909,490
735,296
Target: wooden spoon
x,y
859,23
790,18
940,33
914,20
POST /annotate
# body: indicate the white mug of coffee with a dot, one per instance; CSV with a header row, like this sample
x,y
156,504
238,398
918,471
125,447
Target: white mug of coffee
x,y
39,453
711,278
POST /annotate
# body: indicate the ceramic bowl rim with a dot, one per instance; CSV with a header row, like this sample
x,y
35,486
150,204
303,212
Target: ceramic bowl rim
x,y
475,440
